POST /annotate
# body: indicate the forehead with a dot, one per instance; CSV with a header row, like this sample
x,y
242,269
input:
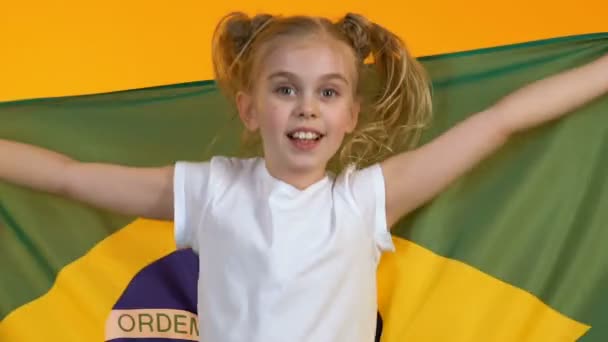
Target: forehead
x,y
308,57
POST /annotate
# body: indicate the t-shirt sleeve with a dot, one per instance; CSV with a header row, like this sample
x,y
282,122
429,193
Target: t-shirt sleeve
x,y
191,191
368,191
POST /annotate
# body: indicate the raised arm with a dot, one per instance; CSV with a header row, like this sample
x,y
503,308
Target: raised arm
x,y
413,178
143,192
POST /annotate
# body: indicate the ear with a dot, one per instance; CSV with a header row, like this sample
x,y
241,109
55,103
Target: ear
x,y
354,115
246,109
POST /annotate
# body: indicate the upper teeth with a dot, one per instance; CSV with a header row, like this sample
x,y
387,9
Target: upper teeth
x,y
305,135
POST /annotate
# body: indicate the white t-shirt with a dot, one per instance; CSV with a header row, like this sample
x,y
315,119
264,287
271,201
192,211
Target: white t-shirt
x,y
278,263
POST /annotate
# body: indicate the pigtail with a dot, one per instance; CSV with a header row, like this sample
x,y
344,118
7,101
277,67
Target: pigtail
x,y
395,93
231,41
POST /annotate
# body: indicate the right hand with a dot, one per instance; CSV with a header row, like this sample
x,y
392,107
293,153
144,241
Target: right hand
x,y
133,191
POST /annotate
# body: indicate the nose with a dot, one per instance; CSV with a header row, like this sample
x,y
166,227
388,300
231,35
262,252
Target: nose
x,y
308,108
306,114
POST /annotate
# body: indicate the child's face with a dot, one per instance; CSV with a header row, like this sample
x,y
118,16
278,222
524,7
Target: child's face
x,y
303,102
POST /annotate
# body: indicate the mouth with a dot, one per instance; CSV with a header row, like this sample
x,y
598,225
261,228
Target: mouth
x,y
305,139
305,135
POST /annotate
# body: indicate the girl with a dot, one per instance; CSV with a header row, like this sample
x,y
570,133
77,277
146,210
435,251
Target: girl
x,y
288,250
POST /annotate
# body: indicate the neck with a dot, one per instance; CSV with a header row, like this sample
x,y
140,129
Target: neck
x,y
300,179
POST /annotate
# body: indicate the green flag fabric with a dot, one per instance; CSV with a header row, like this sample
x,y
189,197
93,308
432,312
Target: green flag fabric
x,y
513,251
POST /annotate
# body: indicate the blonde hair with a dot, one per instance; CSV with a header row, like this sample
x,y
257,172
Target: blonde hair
x,y
393,86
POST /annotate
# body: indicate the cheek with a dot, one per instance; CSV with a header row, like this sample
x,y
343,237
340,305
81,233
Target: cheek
x,y
342,120
271,118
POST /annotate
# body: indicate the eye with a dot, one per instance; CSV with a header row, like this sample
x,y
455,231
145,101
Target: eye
x,y
285,90
329,92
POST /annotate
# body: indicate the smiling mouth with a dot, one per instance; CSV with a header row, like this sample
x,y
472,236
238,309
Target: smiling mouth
x,y
307,136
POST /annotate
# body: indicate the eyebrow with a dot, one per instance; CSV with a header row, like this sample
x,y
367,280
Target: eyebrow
x,y
290,75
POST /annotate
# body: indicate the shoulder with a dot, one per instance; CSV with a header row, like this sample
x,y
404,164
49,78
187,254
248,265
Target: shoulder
x,y
360,181
217,173
218,167
360,187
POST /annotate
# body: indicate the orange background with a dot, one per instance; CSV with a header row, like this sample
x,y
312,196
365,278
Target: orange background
x,y
68,47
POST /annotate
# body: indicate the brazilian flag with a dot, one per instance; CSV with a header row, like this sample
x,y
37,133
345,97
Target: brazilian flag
x,y
513,251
